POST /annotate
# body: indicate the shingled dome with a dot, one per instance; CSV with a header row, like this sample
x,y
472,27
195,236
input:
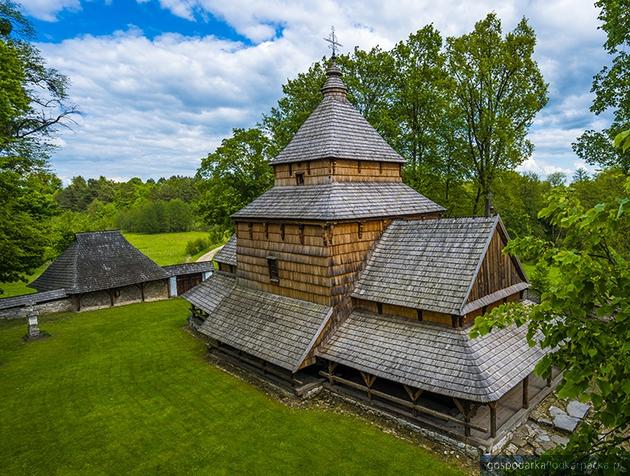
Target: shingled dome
x,y
336,130
96,261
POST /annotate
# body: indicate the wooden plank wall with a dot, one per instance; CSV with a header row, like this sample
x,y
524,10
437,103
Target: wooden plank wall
x,y
401,311
497,270
337,170
316,262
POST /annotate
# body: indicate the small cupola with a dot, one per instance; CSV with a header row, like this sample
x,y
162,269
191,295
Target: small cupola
x,y
334,86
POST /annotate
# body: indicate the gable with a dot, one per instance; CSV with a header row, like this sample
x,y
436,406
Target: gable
x,y
497,270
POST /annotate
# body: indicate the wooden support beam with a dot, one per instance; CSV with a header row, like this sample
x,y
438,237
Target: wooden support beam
x,y
369,380
111,297
526,392
331,368
493,419
404,403
464,408
142,291
414,393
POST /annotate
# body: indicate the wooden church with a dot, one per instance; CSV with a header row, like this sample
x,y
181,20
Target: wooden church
x,y
342,271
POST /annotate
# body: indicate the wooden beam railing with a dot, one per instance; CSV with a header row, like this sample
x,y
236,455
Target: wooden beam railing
x,y
400,401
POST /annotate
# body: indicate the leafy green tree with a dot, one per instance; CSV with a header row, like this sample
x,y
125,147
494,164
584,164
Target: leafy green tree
x,y
32,106
233,175
498,88
612,90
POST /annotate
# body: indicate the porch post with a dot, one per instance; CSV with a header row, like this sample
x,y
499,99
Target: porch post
x,y
526,392
493,419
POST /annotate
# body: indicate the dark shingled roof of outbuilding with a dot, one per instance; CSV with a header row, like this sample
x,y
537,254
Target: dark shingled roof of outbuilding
x,y
335,129
339,201
277,329
189,268
427,264
32,299
98,260
227,254
434,358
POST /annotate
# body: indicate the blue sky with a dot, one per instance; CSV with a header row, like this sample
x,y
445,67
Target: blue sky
x,y
160,83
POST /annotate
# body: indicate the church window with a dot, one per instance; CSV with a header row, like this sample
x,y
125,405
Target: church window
x,y
266,231
299,178
359,165
282,231
420,314
379,307
360,230
302,234
290,169
250,229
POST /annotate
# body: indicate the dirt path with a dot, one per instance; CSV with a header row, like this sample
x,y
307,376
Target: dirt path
x,y
210,254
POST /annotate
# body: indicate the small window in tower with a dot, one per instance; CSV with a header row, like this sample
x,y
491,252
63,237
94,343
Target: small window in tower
x,y
420,314
290,169
379,307
250,229
299,178
282,231
308,168
380,167
302,233
360,230
272,264
359,165
266,231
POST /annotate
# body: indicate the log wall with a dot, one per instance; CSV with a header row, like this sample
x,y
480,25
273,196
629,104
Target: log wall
x,y
497,270
336,170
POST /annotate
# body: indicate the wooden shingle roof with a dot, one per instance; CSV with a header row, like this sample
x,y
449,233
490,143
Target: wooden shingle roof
x,y
96,261
227,254
339,201
189,268
278,329
335,129
436,359
32,299
428,264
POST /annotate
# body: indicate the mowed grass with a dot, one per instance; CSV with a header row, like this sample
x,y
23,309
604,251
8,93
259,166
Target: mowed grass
x,y
163,248
127,391
166,248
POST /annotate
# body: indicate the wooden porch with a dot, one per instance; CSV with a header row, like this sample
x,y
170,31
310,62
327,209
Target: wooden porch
x,y
481,425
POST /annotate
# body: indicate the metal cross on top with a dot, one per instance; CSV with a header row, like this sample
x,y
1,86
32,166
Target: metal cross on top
x,y
332,39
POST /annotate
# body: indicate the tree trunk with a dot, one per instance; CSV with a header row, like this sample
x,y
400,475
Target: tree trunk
x,y
476,204
488,210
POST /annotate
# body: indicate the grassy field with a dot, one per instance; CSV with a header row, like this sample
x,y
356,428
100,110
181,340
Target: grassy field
x,y
163,248
166,248
128,391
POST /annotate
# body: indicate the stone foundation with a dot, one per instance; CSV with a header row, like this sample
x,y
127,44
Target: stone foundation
x,y
59,305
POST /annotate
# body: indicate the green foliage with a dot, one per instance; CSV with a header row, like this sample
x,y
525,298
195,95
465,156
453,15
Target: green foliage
x,y
32,106
583,319
157,217
612,90
197,245
498,88
233,175
126,390
622,140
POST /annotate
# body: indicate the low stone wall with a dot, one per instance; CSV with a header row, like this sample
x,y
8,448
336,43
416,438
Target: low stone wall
x,y
58,305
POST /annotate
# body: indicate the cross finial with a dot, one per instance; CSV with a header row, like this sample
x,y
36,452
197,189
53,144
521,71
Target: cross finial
x,y
332,39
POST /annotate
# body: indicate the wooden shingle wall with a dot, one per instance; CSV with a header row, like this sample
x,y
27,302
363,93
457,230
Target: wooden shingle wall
x,y
497,270
317,172
316,262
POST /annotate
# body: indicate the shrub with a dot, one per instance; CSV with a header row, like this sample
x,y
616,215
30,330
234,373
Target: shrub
x,y
197,246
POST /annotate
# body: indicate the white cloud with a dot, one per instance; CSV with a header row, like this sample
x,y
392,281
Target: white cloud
x,y
154,107
47,10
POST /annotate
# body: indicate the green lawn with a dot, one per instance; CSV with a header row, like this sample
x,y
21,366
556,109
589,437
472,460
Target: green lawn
x,y
166,248
163,248
127,390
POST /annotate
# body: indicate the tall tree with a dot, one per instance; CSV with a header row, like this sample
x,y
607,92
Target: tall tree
x,y
233,175
498,88
612,90
32,106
